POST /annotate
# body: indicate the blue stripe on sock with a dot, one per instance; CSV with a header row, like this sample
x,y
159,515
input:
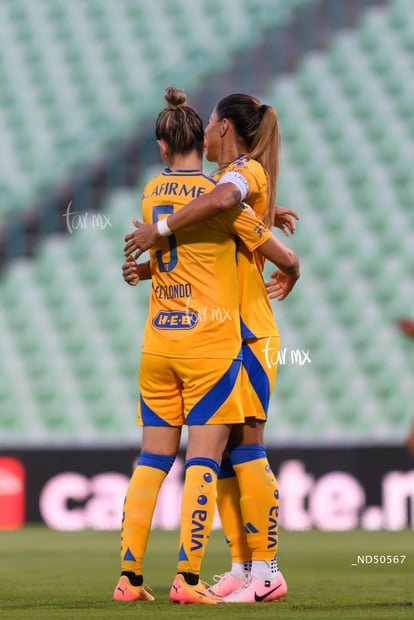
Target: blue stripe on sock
x,y
129,556
159,461
182,556
204,462
257,376
243,454
215,397
226,470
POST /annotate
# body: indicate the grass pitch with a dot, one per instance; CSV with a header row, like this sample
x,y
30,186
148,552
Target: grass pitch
x,y
59,575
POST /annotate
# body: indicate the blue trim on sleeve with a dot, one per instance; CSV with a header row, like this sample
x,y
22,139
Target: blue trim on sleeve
x,y
216,396
244,454
158,461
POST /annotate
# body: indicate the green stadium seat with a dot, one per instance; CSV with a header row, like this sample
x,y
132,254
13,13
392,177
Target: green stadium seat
x,y
372,31
398,13
71,330
54,419
12,426
103,418
74,60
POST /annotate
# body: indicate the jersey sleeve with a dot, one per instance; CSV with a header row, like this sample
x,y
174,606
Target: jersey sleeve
x,y
238,180
247,174
242,221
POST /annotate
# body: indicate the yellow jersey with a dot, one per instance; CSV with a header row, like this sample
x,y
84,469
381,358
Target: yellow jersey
x,y
194,299
256,312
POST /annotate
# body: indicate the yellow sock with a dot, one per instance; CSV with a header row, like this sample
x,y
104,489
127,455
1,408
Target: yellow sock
x,y
139,506
228,504
197,512
259,500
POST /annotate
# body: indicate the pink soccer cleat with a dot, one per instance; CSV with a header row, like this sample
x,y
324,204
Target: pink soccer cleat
x,y
182,592
125,591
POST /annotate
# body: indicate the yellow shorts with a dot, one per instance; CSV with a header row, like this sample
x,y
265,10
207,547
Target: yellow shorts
x,y
260,359
176,391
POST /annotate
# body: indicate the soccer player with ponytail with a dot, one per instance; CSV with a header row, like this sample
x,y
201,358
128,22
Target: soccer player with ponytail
x,y
190,370
243,138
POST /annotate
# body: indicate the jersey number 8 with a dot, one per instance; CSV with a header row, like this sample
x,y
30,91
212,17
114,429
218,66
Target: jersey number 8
x,y
172,241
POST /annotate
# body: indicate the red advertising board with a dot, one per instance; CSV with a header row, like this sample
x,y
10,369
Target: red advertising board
x,y
12,493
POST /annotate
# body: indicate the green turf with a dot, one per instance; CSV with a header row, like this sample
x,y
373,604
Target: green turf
x,y
46,574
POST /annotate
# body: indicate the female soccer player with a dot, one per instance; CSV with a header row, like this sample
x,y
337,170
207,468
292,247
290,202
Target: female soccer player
x,y
243,138
191,359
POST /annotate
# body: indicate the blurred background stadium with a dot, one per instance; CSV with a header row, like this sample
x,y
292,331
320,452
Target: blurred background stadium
x,y
81,84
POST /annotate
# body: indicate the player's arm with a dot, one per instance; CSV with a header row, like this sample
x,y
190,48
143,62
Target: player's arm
x,y
285,277
246,224
281,256
280,285
133,272
286,260
229,191
256,236
285,220
224,196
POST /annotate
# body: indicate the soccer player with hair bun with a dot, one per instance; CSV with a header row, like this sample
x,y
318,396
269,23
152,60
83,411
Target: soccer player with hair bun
x,y
191,363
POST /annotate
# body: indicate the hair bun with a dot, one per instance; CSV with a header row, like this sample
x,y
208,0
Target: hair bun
x,y
175,98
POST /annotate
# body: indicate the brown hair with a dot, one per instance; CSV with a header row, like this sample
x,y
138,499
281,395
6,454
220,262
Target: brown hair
x,y
179,124
257,125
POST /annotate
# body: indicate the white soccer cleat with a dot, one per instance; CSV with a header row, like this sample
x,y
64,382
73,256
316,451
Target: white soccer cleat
x,y
225,584
253,590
